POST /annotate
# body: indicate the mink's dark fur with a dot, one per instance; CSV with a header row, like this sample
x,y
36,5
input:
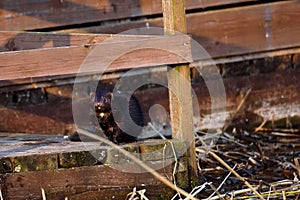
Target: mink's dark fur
x,y
103,107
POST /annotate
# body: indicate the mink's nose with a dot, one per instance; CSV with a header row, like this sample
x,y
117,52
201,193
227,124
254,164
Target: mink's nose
x,y
98,106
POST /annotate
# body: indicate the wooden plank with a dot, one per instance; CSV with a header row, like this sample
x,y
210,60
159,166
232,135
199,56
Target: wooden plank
x,y
158,72
32,162
235,31
16,40
67,60
24,15
179,86
44,155
87,182
36,152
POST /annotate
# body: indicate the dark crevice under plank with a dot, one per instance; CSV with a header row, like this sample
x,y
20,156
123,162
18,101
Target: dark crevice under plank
x,y
23,15
274,81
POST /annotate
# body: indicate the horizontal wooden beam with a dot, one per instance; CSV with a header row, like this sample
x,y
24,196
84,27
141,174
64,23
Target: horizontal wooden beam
x,y
235,31
91,182
60,80
23,15
18,40
141,52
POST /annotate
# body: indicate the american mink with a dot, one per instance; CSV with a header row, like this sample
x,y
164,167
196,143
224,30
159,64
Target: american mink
x,y
103,107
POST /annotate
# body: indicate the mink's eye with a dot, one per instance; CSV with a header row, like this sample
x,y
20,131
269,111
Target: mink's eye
x,y
105,100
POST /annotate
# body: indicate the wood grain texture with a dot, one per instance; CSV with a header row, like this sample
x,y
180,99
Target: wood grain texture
x,y
97,182
179,86
67,169
17,40
114,56
39,152
24,15
235,31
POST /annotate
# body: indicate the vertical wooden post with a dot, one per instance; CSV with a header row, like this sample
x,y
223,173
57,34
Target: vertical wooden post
x,y
179,83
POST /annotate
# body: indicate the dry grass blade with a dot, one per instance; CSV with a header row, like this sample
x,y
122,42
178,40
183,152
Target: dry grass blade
x,y
131,195
221,184
237,110
212,154
1,197
234,193
283,195
198,189
296,161
43,194
260,128
278,195
138,162
142,194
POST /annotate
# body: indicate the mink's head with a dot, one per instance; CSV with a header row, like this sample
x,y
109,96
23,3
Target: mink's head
x,y
103,103
102,100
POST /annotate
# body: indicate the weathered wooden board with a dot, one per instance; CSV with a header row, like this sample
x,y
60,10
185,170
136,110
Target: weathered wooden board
x,y
273,80
179,86
235,31
141,52
62,168
36,152
97,182
38,14
17,41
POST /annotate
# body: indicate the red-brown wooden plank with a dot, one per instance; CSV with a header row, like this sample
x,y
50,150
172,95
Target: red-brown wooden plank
x,y
77,183
234,31
37,14
67,60
16,40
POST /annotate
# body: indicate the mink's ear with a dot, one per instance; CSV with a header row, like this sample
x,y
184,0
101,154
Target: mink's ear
x,y
92,96
110,95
